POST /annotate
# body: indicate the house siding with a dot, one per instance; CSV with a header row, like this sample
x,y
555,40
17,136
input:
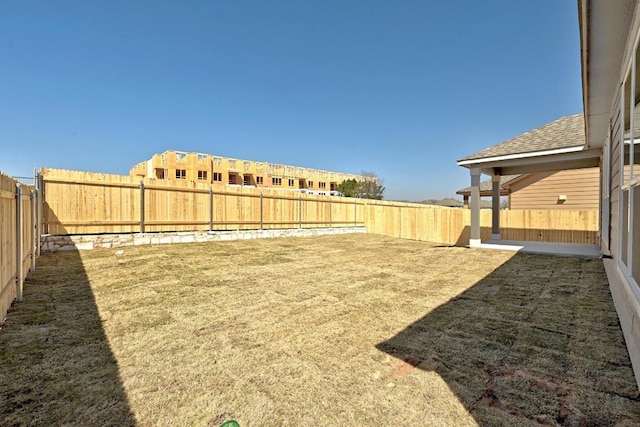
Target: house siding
x,y
542,190
614,167
623,281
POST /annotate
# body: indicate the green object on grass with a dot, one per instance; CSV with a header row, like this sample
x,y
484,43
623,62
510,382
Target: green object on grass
x,y
230,423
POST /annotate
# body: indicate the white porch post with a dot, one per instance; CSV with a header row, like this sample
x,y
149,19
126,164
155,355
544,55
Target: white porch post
x,y
475,208
495,207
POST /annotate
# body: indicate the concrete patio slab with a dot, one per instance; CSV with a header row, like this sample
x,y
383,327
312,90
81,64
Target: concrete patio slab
x,y
560,249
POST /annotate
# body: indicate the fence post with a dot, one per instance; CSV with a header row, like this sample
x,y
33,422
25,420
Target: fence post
x,y
141,206
300,211
36,217
355,214
40,190
210,208
330,220
33,229
261,210
19,273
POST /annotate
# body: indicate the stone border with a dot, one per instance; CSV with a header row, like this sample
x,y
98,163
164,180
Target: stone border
x,y
53,243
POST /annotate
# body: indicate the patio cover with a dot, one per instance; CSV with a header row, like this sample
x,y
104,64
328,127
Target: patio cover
x,y
559,145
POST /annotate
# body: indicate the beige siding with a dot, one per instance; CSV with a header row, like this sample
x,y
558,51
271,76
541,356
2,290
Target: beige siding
x,y
542,190
615,179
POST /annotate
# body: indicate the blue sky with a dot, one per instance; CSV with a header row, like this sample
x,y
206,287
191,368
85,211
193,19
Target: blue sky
x,y
400,88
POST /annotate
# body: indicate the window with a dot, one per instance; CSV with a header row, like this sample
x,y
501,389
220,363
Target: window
x,y
180,156
322,185
159,173
202,157
276,181
246,180
233,178
310,184
202,175
334,185
627,160
217,176
291,183
181,174
260,180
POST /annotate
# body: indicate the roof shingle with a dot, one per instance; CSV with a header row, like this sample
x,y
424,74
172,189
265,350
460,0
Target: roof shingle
x,y
486,186
565,132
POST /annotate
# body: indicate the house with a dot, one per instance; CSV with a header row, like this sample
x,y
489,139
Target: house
x,y
555,147
577,189
610,64
486,189
610,59
198,167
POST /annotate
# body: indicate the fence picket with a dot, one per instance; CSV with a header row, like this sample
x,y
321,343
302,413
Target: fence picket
x,y
175,206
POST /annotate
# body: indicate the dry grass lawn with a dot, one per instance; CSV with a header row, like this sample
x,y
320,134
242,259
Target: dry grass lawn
x,y
345,330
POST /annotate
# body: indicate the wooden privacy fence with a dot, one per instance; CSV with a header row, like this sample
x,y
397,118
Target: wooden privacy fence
x,y
18,238
89,203
453,226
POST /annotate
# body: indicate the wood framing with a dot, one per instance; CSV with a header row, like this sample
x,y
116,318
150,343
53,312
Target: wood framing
x,y
205,168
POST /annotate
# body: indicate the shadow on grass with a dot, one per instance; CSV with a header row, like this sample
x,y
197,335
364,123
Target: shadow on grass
x,y
56,365
536,342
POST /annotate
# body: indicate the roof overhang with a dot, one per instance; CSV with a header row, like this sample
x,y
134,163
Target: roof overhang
x,y
520,155
484,193
541,161
604,28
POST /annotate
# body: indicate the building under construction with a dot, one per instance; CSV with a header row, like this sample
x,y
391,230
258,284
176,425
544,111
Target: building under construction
x,y
198,167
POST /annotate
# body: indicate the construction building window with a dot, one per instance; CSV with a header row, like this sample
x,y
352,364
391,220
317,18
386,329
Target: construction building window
x,y
310,184
202,175
159,173
180,156
322,185
233,178
181,174
260,180
291,183
217,176
246,180
276,181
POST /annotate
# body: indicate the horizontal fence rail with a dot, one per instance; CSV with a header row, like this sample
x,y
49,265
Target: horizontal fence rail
x,y
88,203
18,238
91,203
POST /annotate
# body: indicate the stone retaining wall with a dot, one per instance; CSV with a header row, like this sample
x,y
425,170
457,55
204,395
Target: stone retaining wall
x,y
51,243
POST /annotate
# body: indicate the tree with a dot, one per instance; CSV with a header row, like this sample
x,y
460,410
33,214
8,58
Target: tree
x,y
369,187
349,188
504,202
